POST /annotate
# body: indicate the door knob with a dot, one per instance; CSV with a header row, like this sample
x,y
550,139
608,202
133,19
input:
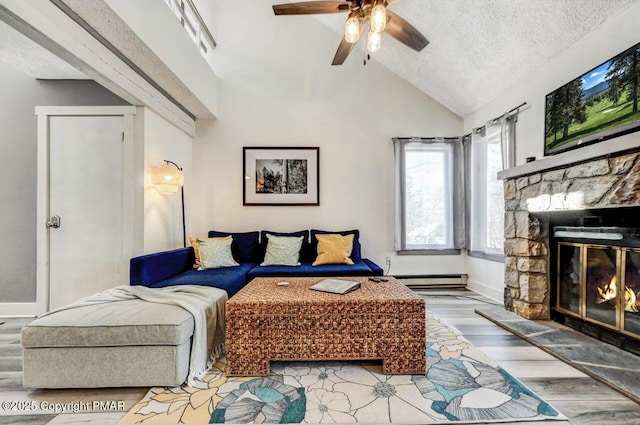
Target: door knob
x,y
54,222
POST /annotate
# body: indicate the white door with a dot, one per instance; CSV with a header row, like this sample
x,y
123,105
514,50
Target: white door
x,y
86,172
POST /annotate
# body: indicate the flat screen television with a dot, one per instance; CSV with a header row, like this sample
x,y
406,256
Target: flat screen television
x,y
599,105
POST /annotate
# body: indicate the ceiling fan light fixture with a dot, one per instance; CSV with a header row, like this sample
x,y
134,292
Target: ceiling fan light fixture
x,y
378,17
374,41
372,14
352,28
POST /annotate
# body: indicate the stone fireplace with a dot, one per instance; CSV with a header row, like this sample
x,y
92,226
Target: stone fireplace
x,y
536,199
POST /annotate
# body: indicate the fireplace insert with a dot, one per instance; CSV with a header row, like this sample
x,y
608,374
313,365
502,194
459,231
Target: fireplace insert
x,y
597,281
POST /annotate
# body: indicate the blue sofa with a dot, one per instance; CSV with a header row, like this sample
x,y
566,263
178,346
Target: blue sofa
x,y
175,267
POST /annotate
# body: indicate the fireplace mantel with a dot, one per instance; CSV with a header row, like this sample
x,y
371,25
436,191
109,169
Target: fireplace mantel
x,y
598,150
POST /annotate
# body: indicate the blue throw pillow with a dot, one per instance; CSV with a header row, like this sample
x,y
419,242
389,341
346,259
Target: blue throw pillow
x,y
306,254
355,253
245,246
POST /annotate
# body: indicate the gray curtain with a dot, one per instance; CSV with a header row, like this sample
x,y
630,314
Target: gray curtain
x,y
508,140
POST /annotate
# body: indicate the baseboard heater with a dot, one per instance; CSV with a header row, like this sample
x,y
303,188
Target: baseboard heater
x,y
434,281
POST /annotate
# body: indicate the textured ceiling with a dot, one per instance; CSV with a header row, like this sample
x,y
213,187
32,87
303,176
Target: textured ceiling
x,y
479,48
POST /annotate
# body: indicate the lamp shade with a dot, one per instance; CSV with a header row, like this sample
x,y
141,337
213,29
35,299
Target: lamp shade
x,y
167,178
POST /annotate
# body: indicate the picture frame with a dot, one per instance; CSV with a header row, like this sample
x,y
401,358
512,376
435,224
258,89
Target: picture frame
x,y
281,176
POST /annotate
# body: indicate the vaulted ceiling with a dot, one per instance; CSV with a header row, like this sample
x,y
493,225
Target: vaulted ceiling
x,y
477,50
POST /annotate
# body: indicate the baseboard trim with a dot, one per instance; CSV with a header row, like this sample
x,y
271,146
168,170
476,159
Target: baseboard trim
x,y
433,281
18,310
486,290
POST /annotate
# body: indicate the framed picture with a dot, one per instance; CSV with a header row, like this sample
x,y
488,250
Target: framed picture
x,y
281,176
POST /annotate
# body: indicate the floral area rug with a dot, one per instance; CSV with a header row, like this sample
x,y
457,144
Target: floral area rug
x,y
461,385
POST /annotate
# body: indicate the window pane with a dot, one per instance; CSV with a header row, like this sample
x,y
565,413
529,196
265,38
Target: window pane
x,y
495,200
426,199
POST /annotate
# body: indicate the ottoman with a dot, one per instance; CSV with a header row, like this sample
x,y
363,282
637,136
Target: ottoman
x,y
380,320
132,343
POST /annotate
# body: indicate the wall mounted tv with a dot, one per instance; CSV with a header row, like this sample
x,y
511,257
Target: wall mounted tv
x,y
599,105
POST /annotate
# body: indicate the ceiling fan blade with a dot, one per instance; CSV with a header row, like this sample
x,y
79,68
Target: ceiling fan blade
x,y
311,7
343,51
404,32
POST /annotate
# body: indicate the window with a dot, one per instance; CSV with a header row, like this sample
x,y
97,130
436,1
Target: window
x,y
193,24
428,217
442,182
487,199
427,207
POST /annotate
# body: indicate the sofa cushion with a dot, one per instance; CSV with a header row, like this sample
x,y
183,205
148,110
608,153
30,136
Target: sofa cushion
x,y
245,246
358,268
376,270
230,279
334,249
355,253
282,251
151,268
120,323
306,253
215,253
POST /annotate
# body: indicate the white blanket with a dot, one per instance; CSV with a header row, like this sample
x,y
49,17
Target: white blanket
x,y
208,317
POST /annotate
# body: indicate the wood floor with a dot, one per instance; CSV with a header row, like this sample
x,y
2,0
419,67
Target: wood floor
x,y
581,398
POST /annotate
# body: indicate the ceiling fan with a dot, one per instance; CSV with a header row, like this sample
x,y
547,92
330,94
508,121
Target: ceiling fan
x,y
373,13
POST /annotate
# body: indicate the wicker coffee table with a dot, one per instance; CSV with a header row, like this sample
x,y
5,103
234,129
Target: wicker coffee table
x,y
381,320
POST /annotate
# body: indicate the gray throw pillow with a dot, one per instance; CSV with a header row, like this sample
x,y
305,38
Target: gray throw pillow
x,y
282,251
215,253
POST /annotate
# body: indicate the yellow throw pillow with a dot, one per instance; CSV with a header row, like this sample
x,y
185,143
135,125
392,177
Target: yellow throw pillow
x,y
194,243
334,249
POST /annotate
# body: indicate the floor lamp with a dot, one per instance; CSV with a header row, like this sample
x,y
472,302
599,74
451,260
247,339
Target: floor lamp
x,y
168,178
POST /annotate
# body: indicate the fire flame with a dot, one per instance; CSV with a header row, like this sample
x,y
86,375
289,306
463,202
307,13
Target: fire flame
x,y
610,291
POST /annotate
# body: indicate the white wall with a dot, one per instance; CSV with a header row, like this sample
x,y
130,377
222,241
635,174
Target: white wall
x,y
163,213
277,88
612,37
486,277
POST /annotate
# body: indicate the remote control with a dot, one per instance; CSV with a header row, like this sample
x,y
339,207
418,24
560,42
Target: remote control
x,y
378,279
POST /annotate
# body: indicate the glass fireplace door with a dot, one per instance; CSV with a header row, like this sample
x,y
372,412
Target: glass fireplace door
x,y
569,277
602,285
631,319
